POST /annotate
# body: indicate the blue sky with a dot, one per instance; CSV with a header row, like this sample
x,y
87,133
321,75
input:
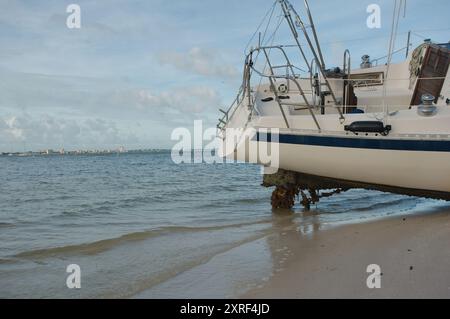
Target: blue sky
x,y
138,69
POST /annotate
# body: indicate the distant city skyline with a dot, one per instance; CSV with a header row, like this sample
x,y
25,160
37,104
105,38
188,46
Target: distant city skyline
x,y
136,70
63,151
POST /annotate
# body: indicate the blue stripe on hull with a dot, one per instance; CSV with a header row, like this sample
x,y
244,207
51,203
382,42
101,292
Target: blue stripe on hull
x,y
358,142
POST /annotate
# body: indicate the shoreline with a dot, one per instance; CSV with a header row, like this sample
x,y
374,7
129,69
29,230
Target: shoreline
x,y
412,251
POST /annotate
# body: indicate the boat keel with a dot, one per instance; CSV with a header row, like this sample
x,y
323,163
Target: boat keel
x,y
290,185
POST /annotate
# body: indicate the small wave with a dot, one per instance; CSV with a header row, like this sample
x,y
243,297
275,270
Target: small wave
x,y
392,203
6,225
7,261
134,201
100,246
108,207
174,269
225,203
358,196
251,200
87,248
102,210
139,164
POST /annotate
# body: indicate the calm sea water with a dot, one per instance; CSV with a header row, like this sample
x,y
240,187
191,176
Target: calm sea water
x,y
140,226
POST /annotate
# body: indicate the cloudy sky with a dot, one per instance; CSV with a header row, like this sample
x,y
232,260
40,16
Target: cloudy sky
x,y
136,70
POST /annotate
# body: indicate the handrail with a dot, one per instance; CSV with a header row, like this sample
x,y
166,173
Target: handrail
x,y
272,84
229,113
316,83
315,50
347,69
240,96
292,77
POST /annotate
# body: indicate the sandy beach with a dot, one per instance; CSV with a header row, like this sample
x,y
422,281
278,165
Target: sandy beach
x,y
413,253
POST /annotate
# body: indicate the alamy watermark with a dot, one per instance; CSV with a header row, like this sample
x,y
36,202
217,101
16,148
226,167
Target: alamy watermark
x,y
374,279
231,145
73,281
374,19
73,21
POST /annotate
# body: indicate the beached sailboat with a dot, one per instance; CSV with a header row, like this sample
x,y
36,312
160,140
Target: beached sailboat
x,y
384,127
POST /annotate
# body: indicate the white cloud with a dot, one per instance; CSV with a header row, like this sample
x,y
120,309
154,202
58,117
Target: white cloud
x,y
101,98
52,111
46,131
195,99
199,61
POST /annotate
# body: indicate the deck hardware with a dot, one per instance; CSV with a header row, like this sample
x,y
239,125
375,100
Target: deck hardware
x,y
368,127
427,108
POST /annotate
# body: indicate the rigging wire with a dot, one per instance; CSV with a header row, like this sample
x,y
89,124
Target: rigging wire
x,y
265,33
432,30
374,38
271,39
395,23
262,40
267,26
262,43
270,11
418,35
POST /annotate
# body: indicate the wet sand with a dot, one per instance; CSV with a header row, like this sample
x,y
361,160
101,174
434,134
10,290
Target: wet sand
x,y
413,253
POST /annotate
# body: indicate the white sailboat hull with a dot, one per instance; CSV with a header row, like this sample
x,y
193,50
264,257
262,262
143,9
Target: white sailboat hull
x,y
415,155
422,170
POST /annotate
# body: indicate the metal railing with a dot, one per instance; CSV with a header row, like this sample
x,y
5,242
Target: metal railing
x,y
290,76
243,92
347,69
